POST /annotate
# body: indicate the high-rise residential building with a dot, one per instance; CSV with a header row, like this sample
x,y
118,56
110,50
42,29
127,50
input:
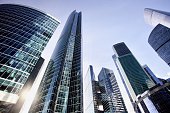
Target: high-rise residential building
x,y
155,17
159,39
24,32
132,72
111,97
152,75
61,87
91,93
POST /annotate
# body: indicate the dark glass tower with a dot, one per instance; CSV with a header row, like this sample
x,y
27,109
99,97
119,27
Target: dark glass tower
x,y
61,87
159,39
108,84
133,74
24,32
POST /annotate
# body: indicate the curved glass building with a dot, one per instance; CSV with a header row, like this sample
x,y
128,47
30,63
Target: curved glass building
x,y
60,90
159,39
24,33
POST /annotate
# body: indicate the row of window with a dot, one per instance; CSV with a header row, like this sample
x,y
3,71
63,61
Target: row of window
x,y
10,86
27,51
29,15
18,63
22,27
14,75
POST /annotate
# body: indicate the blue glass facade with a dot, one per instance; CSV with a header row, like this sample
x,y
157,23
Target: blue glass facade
x,y
159,39
61,87
108,83
24,32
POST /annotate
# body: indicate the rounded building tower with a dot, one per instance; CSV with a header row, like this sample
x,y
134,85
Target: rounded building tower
x,y
24,33
159,39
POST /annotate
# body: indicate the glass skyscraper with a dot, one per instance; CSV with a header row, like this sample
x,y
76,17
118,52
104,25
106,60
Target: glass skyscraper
x,y
24,32
102,96
159,39
88,91
108,83
61,87
91,93
133,74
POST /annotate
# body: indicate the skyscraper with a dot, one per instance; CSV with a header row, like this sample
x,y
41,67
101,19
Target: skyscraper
x,y
133,74
155,17
125,85
91,93
24,32
159,39
102,96
108,82
61,87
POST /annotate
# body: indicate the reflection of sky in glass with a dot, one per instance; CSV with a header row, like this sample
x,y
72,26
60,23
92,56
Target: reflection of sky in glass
x,y
21,44
104,24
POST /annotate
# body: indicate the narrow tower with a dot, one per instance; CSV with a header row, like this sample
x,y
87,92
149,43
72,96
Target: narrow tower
x,y
91,93
133,74
61,87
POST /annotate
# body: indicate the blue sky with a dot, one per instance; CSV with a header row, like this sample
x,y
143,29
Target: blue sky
x,y
104,23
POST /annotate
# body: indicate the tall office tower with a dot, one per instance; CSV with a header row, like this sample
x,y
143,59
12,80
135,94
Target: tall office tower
x,y
114,102
24,32
88,90
133,74
61,87
91,93
151,75
155,17
159,39
132,105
